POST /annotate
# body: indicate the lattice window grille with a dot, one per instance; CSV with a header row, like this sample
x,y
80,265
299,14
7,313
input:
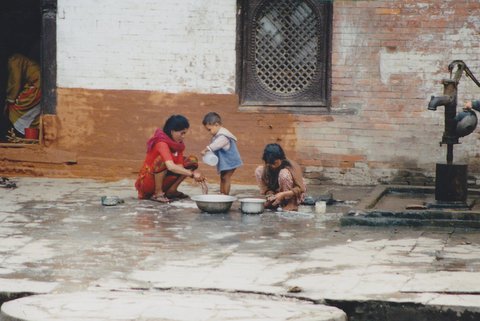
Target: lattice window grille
x,y
286,46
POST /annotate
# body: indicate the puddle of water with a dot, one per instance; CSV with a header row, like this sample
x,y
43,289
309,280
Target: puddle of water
x,y
400,201
295,215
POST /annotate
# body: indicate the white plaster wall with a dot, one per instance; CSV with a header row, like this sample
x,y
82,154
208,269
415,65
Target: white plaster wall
x,y
162,45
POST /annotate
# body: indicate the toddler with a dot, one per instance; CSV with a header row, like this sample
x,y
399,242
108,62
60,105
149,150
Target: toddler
x,y
224,145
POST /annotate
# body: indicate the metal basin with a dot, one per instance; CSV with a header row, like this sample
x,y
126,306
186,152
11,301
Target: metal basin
x,y
252,205
214,203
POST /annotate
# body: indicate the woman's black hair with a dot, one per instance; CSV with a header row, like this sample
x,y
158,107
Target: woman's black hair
x,y
272,152
176,123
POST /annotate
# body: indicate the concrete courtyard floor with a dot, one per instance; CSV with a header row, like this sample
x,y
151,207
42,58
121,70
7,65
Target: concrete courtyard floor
x,y
64,256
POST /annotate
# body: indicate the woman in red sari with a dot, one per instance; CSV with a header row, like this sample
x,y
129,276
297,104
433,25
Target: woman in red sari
x,y
165,167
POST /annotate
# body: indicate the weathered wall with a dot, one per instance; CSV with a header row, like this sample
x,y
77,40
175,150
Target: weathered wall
x,y
388,58
170,46
123,67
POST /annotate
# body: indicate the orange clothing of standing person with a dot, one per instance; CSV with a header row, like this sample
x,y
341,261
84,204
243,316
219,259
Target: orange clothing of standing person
x,y
23,92
165,167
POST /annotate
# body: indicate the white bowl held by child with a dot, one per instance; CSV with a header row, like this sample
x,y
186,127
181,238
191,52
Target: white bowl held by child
x,y
210,158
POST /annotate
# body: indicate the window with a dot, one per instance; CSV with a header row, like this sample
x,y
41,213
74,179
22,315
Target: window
x,y
285,57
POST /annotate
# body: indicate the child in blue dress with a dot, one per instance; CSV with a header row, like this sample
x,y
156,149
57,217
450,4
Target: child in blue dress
x,y
224,145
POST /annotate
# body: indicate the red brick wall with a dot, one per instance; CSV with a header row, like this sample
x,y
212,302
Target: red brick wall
x,y
388,58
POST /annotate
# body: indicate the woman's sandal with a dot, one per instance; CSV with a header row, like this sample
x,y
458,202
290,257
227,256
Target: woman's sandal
x,y
178,195
161,198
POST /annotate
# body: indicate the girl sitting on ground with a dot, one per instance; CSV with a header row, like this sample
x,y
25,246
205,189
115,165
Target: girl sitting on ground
x,y
280,180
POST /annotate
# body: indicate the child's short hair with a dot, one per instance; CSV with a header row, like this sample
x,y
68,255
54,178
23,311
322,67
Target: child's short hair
x,y
212,118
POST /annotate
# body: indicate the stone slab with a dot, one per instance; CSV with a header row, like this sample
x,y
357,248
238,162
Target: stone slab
x,y
161,306
55,232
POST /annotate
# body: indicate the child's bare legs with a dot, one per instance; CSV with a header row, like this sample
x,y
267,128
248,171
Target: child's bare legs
x,y
225,181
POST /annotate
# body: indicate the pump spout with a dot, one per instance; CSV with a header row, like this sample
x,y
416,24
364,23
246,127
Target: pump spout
x,y
439,101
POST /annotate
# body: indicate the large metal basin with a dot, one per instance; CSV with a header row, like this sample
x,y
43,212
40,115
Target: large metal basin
x,y
214,203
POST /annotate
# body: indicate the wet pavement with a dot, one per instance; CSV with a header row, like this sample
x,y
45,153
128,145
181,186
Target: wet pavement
x,y
75,259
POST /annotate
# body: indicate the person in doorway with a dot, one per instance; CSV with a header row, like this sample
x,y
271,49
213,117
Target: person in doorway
x,y
24,93
280,179
224,145
165,167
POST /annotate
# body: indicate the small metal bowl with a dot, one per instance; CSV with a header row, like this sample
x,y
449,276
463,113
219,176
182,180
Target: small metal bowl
x,y
214,203
252,205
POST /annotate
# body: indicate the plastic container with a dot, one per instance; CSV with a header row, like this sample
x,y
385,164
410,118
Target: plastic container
x,y
31,133
320,207
210,159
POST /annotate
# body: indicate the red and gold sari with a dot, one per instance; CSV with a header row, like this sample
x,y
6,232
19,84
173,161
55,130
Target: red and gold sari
x,y
23,92
161,148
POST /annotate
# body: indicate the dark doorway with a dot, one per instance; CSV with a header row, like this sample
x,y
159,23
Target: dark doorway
x,y
20,32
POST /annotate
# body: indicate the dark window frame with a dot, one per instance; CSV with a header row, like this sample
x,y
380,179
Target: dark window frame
x,y
251,95
49,56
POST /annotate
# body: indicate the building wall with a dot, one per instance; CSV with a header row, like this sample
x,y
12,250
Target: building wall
x,y
169,46
389,57
124,66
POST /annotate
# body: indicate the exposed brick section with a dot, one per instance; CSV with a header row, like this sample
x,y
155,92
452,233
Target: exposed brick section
x,y
388,58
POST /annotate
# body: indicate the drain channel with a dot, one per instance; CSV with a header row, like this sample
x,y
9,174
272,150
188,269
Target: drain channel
x,y
392,311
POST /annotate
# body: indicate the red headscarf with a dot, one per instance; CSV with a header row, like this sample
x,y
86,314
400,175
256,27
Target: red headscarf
x,y
160,136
